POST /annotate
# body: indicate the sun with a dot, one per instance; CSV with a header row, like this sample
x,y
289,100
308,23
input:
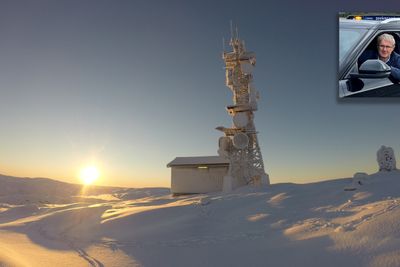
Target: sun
x,y
89,174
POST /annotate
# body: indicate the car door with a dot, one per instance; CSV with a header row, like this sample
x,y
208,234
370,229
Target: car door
x,y
369,87
354,84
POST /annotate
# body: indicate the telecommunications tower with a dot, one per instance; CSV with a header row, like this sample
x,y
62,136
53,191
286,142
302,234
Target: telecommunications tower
x,y
240,144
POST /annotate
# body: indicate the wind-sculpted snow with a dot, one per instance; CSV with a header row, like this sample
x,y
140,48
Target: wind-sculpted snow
x,y
316,224
386,159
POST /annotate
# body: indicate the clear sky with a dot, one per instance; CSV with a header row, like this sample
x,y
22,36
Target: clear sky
x,y
130,85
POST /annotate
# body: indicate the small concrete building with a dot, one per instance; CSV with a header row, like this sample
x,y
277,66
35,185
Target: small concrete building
x,y
197,174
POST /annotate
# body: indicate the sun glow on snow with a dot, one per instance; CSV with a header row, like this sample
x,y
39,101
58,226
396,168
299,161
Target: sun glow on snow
x,y
89,174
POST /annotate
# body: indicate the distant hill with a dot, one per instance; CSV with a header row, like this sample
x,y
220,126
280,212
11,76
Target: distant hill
x,y
16,190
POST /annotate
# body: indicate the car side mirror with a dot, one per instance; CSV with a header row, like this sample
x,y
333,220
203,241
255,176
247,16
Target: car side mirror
x,y
372,68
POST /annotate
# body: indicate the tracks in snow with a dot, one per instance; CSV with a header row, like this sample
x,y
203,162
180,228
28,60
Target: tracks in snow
x,y
93,262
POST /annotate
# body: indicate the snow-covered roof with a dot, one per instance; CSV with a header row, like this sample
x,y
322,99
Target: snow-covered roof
x,y
197,161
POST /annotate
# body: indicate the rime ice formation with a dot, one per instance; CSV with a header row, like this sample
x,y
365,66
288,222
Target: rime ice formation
x,y
386,159
240,144
359,178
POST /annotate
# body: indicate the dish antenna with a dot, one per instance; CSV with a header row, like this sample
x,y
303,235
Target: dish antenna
x,y
240,119
247,68
240,141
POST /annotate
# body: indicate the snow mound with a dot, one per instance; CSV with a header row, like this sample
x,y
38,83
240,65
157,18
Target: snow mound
x,y
316,224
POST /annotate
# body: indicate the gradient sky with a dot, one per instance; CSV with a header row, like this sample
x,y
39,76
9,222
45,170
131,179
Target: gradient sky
x,y
130,85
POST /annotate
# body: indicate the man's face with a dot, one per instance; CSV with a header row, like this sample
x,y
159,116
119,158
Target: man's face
x,y
385,48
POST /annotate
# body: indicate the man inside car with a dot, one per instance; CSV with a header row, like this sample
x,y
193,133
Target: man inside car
x,y
385,53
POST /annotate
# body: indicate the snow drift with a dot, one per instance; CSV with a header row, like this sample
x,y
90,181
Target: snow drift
x,y
316,224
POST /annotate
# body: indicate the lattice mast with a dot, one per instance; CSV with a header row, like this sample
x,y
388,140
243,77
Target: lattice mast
x,y
240,144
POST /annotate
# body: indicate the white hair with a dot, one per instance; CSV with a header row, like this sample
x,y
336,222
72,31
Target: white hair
x,y
387,37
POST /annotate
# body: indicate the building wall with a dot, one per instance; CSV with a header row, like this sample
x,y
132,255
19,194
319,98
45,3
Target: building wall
x,y
195,180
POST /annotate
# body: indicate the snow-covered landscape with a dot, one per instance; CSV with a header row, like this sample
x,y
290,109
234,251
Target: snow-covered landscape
x,y
342,222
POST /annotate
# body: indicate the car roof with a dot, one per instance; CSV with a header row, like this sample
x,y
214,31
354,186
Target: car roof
x,y
368,24
351,23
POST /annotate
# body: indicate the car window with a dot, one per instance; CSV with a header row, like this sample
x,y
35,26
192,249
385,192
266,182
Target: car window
x,y
348,39
372,46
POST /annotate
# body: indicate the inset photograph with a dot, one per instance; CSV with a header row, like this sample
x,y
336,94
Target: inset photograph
x,y
369,55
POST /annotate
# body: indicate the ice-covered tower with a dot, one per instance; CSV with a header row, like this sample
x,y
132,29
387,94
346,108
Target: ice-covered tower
x,y
240,144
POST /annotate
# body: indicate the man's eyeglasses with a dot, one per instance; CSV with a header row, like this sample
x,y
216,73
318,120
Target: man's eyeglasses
x,y
385,47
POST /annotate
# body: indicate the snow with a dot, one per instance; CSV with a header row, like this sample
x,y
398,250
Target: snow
x,y
204,160
315,224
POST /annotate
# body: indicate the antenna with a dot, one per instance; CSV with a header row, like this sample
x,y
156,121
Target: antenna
x,y
223,44
237,33
231,29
